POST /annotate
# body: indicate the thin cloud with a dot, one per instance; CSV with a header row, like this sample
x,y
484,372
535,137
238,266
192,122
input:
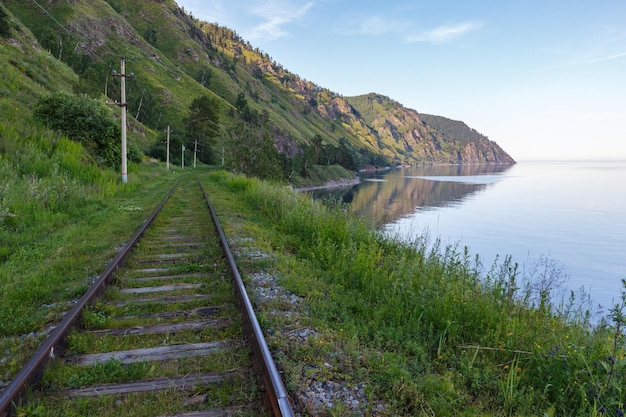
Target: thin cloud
x,y
444,33
605,46
276,15
377,25
588,61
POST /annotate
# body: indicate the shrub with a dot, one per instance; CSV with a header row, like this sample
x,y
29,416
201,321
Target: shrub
x,y
5,29
83,120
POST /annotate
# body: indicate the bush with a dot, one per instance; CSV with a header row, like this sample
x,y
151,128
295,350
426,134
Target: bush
x,y
83,120
5,29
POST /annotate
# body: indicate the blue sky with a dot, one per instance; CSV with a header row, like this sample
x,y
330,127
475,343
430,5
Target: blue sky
x,y
545,79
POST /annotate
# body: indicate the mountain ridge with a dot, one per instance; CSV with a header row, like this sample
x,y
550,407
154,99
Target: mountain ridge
x,y
177,58
431,139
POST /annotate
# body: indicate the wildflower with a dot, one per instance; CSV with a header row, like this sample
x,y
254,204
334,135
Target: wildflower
x,y
519,370
506,367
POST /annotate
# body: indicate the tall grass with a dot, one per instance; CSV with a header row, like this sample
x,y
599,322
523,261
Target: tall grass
x,y
51,197
61,220
451,339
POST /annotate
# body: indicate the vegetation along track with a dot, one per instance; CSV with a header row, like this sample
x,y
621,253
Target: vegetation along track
x,y
167,336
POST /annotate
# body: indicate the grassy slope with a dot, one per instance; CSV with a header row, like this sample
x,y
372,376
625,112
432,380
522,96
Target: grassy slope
x,y
191,56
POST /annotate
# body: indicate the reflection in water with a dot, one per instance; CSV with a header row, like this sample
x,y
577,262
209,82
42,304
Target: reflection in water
x,y
384,197
571,212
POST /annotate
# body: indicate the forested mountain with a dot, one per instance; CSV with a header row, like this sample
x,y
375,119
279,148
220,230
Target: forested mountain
x,y
210,85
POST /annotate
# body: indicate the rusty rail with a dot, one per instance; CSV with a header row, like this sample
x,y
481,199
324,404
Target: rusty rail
x,y
275,397
33,369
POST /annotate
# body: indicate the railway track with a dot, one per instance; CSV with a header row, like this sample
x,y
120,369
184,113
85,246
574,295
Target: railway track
x,y
160,333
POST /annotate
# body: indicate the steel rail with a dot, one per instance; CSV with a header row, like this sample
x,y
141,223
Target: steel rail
x,y
275,393
33,369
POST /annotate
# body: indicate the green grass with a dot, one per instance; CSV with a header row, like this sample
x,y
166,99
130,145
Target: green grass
x,y
61,220
434,336
237,395
420,327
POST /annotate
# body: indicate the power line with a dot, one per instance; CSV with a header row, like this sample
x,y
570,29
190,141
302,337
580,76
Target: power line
x,y
91,52
106,45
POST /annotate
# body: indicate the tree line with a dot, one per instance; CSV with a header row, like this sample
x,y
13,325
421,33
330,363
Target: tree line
x,y
248,146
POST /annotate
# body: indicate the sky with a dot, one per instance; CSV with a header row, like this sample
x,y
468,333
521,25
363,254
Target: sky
x,y
545,79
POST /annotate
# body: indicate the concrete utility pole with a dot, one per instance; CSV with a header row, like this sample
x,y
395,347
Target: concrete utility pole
x,y
167,157
122,105
195,150
182,160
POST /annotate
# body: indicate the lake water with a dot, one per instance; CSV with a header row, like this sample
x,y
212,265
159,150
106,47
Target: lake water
x,y
572,214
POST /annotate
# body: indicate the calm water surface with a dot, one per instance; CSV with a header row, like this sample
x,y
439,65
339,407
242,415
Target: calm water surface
x,y
572,213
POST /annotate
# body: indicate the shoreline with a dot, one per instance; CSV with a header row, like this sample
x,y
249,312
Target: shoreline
x,y
341,183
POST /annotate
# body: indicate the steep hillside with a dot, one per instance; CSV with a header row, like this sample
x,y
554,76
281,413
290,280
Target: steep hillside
x,y
424,138
176,59
27,70
473,146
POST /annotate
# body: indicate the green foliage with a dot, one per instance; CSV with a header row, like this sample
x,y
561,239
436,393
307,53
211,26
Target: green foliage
x,y
456,131
150,36
109,371
252,152
178,58
83,120
444,337
202,125
204,76
5,29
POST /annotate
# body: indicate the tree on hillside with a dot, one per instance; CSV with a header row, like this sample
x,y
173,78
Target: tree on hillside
x,y
150,35
5,30
83,120
345,155
202,124
204,76
318,148
241,102
251,151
